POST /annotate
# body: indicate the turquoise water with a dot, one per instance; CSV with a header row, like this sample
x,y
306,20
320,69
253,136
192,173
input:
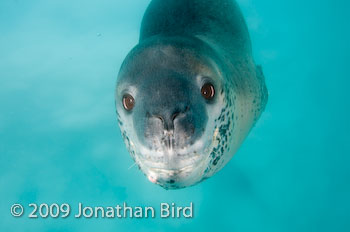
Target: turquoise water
x,y
59,140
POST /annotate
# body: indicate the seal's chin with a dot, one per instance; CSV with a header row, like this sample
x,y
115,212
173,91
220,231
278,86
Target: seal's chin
x,y
174,178
174,170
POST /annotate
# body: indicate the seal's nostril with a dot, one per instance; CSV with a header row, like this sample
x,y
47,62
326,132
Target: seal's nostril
x,y
180,111
160,118
174,116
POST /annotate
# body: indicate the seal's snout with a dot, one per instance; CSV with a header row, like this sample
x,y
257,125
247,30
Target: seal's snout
x,y
171,128
167,119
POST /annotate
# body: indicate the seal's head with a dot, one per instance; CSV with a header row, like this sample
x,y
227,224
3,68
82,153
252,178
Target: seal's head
x,y
168,96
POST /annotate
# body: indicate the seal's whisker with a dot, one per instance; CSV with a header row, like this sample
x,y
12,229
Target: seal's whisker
x,y
131,166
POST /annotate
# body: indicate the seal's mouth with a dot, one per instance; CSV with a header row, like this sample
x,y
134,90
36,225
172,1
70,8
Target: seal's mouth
x,y
174,178
154,173
173,170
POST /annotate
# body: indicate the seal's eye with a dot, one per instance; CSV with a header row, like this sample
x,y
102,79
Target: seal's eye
x,y
208,91
128,102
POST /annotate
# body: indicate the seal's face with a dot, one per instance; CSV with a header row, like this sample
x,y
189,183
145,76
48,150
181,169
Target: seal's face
x,y
167,98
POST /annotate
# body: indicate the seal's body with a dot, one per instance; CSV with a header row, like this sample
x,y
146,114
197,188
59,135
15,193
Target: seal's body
x,y
188,94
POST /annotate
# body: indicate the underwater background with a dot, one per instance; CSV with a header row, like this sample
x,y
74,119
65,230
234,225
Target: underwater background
x,y
60,143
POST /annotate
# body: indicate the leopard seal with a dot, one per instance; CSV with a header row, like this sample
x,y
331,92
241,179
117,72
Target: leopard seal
x,y
189,92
